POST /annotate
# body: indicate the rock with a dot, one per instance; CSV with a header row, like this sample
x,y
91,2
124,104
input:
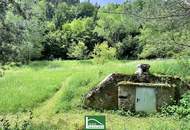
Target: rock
x,y
142,69
106,93
143,72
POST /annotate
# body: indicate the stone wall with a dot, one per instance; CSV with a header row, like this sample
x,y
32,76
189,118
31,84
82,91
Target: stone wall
x,y
126,98
105,94
165,94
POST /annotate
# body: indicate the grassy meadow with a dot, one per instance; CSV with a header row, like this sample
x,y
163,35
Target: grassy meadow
x,y
53,90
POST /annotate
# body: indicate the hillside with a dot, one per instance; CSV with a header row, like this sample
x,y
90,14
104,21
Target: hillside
x,y
54,90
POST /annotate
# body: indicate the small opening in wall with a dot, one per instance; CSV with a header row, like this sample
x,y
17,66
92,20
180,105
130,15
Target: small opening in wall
x,y
123,97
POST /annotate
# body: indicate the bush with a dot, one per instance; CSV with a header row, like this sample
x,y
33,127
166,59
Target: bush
x,y
128,48
78,51
102,53
25,124
182,110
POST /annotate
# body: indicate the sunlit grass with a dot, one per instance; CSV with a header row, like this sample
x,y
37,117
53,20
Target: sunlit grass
x,y
74,120
27,86
54,91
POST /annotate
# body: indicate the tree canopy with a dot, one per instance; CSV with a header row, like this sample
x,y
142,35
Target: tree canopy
x,y
68,29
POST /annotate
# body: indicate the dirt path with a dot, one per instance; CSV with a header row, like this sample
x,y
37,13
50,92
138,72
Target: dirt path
x,y
47,108
42,113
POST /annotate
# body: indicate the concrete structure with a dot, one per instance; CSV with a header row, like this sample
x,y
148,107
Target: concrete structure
x,y
139,92
145,97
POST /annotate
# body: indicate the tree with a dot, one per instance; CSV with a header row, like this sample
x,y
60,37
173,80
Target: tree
x,y
102,53
64,13
129,48
164,28
11,35
77,51
85,9
21,31
119,30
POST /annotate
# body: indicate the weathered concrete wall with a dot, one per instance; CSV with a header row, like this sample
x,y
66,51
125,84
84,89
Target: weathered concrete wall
x,y
126,98
164,96
105,94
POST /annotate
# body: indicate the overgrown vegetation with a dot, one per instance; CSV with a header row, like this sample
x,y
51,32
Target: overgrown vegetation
x,y
46,29
28,86
181,110
96,36
102,53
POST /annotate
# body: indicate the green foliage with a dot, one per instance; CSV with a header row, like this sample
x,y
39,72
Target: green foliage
x,y
164,36
185,124
60,42
156,44
6,124
182,110
78,51
25,83
10,40
51,26
32,44
128,48
21,33
85,9
55,45
63,13
47,29
119,30
114,27
102,53
39,80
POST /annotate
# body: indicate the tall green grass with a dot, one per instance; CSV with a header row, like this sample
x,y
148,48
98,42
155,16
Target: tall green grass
x,y
27,86
89,75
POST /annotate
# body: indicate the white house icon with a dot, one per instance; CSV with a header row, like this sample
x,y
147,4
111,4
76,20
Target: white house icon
x,y
95,125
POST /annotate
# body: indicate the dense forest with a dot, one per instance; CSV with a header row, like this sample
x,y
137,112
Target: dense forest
x,y
68,29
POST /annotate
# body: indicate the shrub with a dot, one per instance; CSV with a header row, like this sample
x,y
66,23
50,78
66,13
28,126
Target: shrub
x,y
7,124
78,51
182,110
128,48
102,53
